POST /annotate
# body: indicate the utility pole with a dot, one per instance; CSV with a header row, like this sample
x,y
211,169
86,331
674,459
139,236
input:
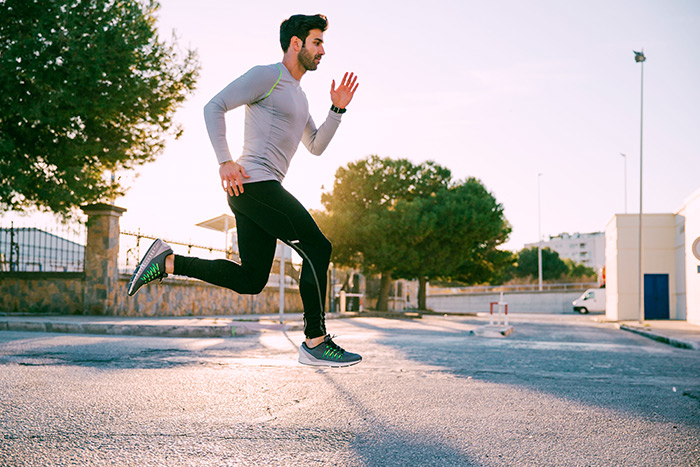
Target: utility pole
x,y
640,58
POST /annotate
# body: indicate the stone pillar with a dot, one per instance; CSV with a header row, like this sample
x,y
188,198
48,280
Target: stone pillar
x,y
101,259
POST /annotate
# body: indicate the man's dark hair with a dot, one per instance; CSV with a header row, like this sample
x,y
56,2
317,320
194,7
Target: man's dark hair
x,y
300,25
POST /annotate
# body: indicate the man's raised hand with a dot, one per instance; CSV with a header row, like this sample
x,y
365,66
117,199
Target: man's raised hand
x,y
342,96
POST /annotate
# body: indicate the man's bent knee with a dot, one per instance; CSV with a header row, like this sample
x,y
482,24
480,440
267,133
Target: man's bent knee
x,y
253,286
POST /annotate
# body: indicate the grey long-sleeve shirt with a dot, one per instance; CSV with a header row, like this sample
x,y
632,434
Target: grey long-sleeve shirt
x,y
276,120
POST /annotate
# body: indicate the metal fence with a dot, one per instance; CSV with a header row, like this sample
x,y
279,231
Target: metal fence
x,y
133,245
512,288
54,249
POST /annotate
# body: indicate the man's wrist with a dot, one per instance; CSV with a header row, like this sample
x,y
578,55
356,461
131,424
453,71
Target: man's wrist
x,y
338,110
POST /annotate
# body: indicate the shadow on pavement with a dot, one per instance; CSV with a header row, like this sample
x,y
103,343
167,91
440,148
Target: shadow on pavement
x,y
596,366
122,352
385,445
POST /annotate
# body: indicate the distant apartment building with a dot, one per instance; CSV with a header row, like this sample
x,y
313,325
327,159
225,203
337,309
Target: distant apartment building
x,y
585,248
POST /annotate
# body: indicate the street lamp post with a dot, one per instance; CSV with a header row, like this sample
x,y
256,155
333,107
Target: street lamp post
x,y
539,235
625,157
640,58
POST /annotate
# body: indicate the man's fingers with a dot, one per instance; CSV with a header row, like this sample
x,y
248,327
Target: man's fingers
x,y
229,186
232,179
349,80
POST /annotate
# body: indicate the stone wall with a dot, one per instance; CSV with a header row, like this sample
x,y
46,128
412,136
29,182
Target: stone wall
x,y
62,293
181,297
101,289
41,292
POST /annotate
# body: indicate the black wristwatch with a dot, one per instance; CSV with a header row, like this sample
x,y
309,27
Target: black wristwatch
x,y
338,110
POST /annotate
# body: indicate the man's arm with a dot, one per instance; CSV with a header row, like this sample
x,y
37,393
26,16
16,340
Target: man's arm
x,y
251,87
315,139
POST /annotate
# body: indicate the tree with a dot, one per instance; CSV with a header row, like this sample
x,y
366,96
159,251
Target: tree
x,y
452,234
553,267
88,88
358,212
404,220
578,271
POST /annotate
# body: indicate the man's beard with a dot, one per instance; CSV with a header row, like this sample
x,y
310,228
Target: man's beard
x,y
307,60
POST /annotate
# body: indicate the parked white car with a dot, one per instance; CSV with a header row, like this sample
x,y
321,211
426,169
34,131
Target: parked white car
x,y
590,300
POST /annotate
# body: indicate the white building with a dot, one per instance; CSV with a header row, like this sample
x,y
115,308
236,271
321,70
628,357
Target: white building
x,y
671,283
585,248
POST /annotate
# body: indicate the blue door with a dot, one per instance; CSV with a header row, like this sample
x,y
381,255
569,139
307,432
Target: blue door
x,y
656,298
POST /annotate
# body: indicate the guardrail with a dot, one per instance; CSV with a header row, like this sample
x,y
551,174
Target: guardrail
x,y
512,288
131,249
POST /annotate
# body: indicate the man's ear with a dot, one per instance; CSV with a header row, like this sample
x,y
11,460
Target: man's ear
x,y
297,43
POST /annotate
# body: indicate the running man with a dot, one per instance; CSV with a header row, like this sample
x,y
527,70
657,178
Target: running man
x,y
276,120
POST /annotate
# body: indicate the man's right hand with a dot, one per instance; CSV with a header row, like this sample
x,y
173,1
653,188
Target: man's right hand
x,y
232,175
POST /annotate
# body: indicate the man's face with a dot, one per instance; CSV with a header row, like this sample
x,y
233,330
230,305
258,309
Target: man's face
x,y
312,51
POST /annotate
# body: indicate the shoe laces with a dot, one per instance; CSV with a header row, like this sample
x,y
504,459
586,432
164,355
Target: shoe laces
x,y
153,273
332,345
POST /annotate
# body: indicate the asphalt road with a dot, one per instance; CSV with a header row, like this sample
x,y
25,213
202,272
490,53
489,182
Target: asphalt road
x,y
560,390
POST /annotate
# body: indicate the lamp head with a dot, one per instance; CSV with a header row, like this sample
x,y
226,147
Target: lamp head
x,y
639,56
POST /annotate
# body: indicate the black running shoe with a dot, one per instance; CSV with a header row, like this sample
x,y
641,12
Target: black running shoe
x,y
327,353
151,267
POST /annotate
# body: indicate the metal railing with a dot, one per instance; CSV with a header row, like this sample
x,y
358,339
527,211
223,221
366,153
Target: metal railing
x,y
54,249
512,288
131,249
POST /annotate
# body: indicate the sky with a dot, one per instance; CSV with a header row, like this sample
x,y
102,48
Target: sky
x,y
502,91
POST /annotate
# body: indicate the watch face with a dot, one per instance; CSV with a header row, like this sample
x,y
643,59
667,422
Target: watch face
x,y
696,248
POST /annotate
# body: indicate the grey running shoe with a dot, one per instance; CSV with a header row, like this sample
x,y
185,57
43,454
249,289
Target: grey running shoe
x,y
327,353
151,267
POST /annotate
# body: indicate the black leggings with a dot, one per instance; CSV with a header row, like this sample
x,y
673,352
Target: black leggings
x,y
265,212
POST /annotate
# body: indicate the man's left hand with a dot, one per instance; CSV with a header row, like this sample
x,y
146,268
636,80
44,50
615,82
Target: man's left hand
x,y
342,96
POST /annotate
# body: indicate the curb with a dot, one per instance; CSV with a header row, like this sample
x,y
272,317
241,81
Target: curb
x,y
384,314
237,329
681,344
232,328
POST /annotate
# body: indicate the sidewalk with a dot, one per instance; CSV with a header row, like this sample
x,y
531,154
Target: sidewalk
x,y
205,326
209,326
674,332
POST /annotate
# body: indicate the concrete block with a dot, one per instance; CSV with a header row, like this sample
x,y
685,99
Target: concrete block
x,y
70,328
26,326
493,330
